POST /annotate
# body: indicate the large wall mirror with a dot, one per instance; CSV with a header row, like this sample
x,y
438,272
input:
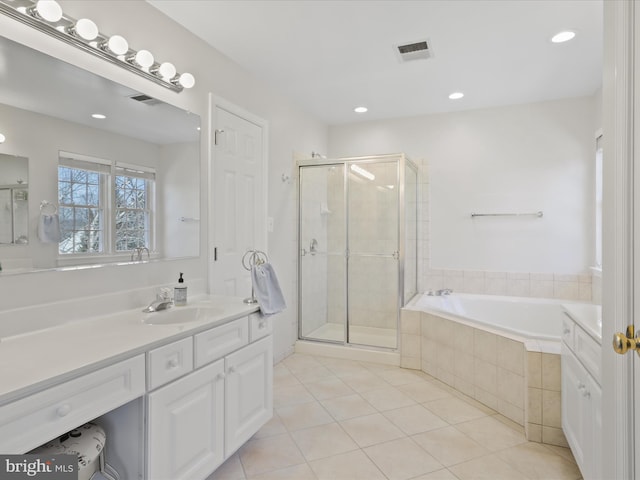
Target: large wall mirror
x,y
118,170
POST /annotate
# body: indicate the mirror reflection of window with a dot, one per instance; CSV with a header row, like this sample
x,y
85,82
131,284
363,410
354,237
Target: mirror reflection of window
x,y
105,209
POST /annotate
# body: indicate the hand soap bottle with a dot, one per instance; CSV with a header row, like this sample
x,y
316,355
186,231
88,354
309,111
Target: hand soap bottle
x,y
180,293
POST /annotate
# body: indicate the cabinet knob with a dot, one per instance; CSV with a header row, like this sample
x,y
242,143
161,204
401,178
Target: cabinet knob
x,y
63,410
231,369
221,376
566,331
262,324
173,363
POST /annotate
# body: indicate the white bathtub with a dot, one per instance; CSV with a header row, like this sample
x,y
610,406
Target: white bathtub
x,y
525,319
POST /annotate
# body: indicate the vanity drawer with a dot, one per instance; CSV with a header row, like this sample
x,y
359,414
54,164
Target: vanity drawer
x,y
26,424
588,351
259,326
169,362
219,341
567,330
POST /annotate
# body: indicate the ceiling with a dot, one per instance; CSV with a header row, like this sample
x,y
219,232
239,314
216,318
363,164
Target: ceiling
x,y
331,56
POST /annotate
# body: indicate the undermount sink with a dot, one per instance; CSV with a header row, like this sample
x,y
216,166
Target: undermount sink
x,y
178,315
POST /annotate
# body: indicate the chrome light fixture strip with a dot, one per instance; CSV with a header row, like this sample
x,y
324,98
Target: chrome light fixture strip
x,y
66,37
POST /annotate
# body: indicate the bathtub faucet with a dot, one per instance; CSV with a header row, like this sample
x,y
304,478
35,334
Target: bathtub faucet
x,y
444,291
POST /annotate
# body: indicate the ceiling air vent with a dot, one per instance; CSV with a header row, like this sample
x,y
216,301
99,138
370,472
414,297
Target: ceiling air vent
x,y
146,99
414,51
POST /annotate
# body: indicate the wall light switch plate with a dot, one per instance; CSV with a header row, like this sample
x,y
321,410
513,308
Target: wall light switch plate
x,y
269,224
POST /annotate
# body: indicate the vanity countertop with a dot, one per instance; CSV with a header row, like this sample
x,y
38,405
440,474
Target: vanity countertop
x,y
588,316
37,360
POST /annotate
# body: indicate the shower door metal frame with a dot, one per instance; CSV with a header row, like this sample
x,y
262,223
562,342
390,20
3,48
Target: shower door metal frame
x,y
401,164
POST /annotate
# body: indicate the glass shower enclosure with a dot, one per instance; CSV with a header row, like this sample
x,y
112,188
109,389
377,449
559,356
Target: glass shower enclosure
x,y
357,238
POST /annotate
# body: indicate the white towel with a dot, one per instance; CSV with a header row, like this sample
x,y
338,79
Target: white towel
x,y
49,228
267,289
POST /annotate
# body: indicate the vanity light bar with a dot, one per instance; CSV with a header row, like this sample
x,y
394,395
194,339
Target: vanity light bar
x,y
47,17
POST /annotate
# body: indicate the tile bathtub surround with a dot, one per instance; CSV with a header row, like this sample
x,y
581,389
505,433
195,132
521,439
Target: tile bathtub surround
x,y
539,285
392,424
492,369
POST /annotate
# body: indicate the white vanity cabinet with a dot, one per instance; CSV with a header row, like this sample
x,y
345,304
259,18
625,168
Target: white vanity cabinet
x,y
582,398
203,417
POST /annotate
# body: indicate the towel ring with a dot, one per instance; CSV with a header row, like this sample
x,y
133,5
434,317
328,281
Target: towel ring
x,y
47,208
253,258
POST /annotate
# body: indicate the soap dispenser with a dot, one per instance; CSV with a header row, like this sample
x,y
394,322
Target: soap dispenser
x,y
180,293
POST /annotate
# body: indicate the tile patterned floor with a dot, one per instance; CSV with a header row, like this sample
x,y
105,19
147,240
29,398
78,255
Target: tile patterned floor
x,y
339,419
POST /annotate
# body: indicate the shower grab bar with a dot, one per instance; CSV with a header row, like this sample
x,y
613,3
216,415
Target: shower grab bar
x,y
532,214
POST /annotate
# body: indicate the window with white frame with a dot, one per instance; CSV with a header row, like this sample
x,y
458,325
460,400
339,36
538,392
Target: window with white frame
x,y
106,208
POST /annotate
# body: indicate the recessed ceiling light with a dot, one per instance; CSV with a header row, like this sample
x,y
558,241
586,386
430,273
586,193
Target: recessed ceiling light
x,y
99,116
456,95
361,109
563,36
2,138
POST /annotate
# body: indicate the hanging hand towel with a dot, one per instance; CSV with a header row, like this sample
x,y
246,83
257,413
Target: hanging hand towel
x,y
49,228
267,289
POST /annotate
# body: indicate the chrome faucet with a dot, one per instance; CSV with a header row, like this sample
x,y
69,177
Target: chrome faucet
x,y
137,254
162,302
444,291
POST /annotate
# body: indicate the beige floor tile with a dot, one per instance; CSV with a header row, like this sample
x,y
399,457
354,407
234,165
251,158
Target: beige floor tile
x,y
314,374
402,459
329,387
350,406
450,446
538,462
271,428
564,452
305,415
282,377
491,433
401,376
347,466
297,472
293,395
323,441
364,381
415,419
371,429
231,469
299,362
443,474
486,468
423,391
387,398
454,410
267,454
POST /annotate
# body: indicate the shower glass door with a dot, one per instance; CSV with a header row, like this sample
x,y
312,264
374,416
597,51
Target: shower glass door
x,y
373,253
322,260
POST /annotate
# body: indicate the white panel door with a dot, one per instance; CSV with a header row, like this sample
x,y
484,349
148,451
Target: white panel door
x,y
185,426
248,392
239,200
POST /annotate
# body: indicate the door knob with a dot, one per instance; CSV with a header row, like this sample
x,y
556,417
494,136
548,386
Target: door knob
x,y
623,343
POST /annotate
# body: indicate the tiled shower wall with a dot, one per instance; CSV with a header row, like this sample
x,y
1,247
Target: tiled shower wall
x,y
561,285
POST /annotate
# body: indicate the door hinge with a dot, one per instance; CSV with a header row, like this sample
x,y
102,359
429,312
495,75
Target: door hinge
x,y
215,136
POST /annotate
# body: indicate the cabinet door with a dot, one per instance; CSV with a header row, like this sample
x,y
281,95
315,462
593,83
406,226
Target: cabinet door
x,y
185,426
248,392
593,448
574,422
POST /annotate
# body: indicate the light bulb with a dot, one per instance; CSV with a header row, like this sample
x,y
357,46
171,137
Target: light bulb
x,y
85,29
563,37
361,109
187,80
143,58
118,45
456,95
167,71
2,138
48,10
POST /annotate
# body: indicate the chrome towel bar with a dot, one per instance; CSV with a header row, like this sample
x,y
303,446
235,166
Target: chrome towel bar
x,y
533,214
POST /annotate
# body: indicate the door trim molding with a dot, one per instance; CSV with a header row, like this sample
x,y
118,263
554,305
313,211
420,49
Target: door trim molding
x,y
618,234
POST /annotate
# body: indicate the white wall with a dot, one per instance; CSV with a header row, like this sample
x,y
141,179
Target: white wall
x,y
521,158
290,130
